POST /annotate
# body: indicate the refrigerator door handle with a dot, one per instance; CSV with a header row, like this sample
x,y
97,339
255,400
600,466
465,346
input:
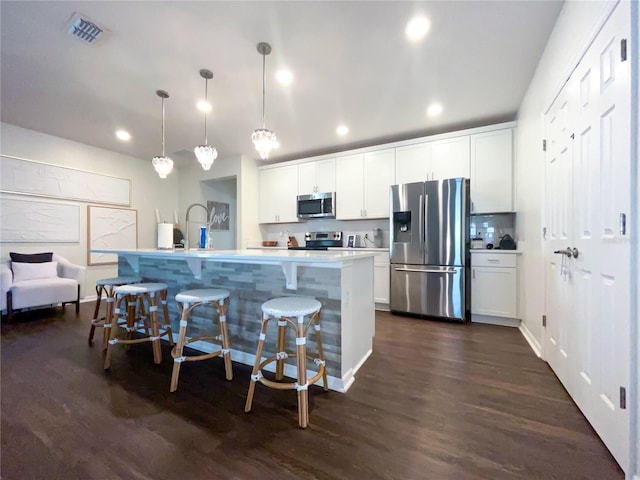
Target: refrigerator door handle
x,y
424,221
421,218
426,270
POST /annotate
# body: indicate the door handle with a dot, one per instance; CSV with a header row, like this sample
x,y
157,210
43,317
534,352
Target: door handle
x,y
429,270
569,252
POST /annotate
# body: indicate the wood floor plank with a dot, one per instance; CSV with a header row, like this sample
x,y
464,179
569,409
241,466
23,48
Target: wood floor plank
x,y
434,401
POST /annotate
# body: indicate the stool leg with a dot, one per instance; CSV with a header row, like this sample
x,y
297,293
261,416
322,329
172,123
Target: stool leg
x,y
320,351
132,302
256,365
155,331
95,314
108,318
280,347
142,313
114,331
226,345
177,350
165,313
302,387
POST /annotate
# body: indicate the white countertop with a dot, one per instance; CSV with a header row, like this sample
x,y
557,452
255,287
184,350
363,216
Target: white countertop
x,y
272,254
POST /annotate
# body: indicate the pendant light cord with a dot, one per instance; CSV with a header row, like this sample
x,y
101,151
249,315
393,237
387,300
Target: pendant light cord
x,y
206,99
263,87
163,127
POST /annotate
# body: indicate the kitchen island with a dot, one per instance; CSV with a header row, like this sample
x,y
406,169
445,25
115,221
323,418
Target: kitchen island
x,y
341,280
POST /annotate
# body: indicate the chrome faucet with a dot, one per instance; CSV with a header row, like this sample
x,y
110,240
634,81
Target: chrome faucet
x,y
186,234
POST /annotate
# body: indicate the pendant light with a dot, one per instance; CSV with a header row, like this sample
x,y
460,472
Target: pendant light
x,y
206,154
264,140
162,164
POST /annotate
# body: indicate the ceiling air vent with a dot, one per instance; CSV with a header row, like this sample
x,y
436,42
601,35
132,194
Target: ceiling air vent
x,y
84,29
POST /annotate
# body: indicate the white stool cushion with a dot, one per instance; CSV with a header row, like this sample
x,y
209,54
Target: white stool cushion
x,y
117,281
137,288
291,306
202,295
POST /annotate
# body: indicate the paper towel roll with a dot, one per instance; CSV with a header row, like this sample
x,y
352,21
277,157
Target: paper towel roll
x,y
165,236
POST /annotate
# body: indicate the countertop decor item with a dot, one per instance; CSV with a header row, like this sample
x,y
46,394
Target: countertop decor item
x,y
293,242
269,243
206,153
162,164
264,140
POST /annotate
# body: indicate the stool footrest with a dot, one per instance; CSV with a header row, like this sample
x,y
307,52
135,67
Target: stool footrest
x,y
195,358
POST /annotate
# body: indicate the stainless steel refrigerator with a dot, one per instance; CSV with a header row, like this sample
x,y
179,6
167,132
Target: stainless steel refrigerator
x,y
429,248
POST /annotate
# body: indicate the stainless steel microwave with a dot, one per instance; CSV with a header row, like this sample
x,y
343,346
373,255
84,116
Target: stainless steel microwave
x,y
317,205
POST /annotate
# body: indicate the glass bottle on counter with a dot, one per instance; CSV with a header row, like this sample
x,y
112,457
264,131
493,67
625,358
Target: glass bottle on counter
x,y
210,238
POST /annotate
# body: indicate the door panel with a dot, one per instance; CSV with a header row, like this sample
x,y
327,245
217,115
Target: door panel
x,y
445,222
432,291
588,299
407,225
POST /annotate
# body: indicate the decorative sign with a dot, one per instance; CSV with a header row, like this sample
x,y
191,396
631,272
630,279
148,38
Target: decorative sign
x,y
219,216
110,228
38,222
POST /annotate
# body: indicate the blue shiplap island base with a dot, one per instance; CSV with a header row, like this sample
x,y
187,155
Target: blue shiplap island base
x,y
341,281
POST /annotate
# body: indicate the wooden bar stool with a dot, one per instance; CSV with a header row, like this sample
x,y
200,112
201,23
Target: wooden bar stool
x,y
285,310
187,301
106,286
129,295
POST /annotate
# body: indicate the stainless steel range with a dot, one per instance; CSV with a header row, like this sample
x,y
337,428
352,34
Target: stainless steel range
x,y
320,241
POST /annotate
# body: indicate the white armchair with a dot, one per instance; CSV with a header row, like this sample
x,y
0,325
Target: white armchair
x,y
18,293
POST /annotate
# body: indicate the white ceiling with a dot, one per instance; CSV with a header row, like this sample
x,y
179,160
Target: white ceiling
x,y
351,63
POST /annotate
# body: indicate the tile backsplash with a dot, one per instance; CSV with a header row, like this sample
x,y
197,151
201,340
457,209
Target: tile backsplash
x,y
280,232
492,227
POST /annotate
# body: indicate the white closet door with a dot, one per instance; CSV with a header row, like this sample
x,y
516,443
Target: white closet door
x,y
588,301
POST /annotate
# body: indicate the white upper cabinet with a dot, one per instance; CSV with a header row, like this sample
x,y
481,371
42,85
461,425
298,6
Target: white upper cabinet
x,y
492,171
379,175
450,158
350,187
277,193
447,158
413,163
362,184
317,177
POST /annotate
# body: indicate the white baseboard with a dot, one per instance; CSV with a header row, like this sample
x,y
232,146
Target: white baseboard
x,y
533,343
491,320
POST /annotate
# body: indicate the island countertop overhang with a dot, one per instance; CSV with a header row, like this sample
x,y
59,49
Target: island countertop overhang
x,y
290,256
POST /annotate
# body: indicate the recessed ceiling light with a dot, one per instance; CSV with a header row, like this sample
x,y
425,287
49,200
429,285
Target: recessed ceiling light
x,y
434,109
123,135
342,130
203,106
284,77
417,28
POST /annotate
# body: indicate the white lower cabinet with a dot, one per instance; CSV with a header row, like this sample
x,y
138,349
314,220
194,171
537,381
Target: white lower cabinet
x,y
494,282
381,280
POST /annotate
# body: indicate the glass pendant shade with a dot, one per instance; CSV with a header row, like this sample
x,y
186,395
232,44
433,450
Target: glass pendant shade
x,y
206,154
163,165
264,140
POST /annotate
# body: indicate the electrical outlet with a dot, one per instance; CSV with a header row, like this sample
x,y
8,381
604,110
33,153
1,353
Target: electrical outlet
x,y
366,236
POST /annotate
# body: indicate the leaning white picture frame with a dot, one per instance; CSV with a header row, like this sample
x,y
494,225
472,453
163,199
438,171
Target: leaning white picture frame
x,y
110,228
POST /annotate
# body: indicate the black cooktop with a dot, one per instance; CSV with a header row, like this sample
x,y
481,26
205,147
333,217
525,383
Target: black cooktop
x,y
309,248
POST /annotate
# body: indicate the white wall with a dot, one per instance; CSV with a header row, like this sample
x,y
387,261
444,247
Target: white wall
x,y
574,26
193,188
148,191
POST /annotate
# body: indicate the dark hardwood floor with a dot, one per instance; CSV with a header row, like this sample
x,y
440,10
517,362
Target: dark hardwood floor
x,y
434,401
